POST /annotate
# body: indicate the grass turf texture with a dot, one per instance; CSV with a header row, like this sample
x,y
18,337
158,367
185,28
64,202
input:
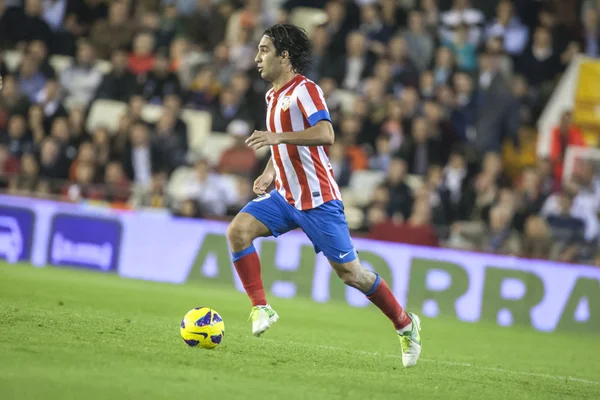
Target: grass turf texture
x,y
69,334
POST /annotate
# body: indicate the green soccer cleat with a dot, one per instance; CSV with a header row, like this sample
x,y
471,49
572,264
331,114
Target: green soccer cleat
x,y
410,342
262,319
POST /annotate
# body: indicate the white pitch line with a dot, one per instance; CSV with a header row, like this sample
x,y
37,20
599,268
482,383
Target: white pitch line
x,y
456,364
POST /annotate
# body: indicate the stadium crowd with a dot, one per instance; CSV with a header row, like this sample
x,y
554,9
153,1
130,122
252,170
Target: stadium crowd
x,y
438,88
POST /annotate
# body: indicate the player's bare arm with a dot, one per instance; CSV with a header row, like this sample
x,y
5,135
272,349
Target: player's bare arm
x,y
319,135
262,183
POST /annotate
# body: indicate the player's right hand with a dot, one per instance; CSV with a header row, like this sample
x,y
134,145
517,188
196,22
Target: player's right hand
x,y
262,183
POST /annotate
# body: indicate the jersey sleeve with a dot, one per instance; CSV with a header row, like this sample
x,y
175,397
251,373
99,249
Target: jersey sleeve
x,y
312,103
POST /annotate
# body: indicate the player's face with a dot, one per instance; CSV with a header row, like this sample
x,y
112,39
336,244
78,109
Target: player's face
x,y
267,61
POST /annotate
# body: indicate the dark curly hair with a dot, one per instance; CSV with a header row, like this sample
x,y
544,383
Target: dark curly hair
x,y
294,40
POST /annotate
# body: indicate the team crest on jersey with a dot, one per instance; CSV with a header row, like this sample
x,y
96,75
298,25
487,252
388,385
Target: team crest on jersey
x,y
285,103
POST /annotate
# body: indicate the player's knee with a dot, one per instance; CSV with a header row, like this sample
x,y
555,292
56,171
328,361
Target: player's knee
x,y
349,276
239,234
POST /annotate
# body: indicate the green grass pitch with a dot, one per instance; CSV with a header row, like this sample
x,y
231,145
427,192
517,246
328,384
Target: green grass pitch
x,y
69,334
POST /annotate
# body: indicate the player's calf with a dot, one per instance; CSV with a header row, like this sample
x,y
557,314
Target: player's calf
x,y
377,291
355,275
241,232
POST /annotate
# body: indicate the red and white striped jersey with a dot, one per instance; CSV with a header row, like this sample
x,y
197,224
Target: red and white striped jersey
x,y
304,175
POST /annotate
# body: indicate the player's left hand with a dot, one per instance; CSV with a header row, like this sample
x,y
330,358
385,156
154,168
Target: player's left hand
x,y
260,139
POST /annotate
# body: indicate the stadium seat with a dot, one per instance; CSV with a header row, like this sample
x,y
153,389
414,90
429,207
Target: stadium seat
x,y
347,196
105,113
12,58
414,182
199,124
354,216
177,182
308,17
347,99
214,145
363,184
60,63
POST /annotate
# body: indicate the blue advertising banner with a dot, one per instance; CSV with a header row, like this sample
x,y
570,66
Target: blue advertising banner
x,y
87,242
16,232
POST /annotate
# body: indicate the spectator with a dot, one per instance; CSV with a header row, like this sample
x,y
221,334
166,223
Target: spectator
x,y
497,116
438,196
567,231
508,27
140,156
13,100
375,31
50,99
239,159
31,79
160,82
320,41
36,124
85,155
155,196
113,33
18,140
141,60
221,63
83,187
189,209
420,43
404,71
213,192
564,135
172,105
184,60
52,165
204,89
400,194
532,197
443,66
27,180
462,13
590,34
170,147
206,26
383,153
82,78
228,108
464,51
169,26
348,71
101,140
116,185
420,151
537,241
9,167
455,179
31,25
340,163
350,128
539,63
243,51
119,84
38,51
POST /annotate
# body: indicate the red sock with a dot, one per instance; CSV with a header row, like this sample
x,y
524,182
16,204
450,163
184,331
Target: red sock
x,y
247,265
382,297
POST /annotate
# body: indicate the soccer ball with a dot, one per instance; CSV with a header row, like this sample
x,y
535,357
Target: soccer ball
x,y
202,327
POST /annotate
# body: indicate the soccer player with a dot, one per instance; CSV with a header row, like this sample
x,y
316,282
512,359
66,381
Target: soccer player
x,y
306,194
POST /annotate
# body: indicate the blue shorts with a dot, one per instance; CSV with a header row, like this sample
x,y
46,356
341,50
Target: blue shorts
x,y
325,226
